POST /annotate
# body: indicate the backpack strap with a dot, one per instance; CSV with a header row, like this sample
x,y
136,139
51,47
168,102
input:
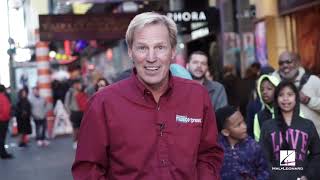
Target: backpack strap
x,y
304,79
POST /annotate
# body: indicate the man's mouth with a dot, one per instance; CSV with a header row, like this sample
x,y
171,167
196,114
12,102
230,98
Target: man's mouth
x,y
199,71
152,68
286,70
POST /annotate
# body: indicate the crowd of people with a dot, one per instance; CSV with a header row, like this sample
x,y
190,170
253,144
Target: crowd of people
x,y
27,108
162,121
33,109
152,124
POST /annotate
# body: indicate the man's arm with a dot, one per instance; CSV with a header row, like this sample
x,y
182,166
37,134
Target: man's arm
x,y
91,161
210,155
314,101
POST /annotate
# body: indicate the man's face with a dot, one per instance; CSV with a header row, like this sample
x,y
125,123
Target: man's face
x,y
288,66
198,66
152,54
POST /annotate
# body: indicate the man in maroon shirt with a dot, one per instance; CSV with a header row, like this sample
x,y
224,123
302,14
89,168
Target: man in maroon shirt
x,y
151,125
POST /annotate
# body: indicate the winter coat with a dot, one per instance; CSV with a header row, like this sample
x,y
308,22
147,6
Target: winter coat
x,y
245,160
23,114
5,108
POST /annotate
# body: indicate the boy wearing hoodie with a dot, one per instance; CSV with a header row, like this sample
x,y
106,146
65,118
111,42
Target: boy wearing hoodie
x,y
265,88
243,157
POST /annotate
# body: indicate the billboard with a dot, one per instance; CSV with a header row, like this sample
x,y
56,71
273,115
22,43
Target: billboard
x,y
261,43
86,27
289,6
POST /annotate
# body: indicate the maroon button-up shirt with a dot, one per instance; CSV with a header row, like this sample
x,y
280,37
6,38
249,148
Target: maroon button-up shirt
x,y
126,135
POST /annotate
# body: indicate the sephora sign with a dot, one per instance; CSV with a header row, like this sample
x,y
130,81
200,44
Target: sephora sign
x,y
186,16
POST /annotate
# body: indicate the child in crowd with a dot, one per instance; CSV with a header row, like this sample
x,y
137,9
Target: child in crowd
x,y
291,143
243,156
265,88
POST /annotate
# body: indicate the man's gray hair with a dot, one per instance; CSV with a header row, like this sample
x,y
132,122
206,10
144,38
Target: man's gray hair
x,y
143,19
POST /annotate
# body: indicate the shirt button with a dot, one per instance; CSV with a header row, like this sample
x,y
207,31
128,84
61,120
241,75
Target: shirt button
x,y
164,162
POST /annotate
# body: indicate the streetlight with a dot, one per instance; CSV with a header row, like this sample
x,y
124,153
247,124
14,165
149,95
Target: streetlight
x,y
11,52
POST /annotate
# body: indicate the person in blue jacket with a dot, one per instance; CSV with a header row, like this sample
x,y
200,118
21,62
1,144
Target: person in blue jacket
x,y
243,156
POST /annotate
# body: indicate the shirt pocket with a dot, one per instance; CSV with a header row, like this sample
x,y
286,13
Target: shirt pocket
x,y
187,136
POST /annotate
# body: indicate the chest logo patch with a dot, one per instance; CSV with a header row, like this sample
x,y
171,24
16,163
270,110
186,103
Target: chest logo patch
x,y
185,119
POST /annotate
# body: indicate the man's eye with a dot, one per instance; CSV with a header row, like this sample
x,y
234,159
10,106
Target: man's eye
x,y
142,48
160,47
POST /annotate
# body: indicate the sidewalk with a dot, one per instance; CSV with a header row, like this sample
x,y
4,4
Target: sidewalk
x,y
39,163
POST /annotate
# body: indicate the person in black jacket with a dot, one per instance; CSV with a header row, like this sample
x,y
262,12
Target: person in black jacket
x,y
291,142
23,114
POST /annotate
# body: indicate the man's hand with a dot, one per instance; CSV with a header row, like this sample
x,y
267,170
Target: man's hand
x,y
304,99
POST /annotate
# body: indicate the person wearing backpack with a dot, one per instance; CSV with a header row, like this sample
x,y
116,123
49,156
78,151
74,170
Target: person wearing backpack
x,y
75,104
5,109
308,85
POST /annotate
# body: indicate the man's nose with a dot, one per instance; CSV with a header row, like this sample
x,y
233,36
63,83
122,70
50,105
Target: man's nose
x,y
151,57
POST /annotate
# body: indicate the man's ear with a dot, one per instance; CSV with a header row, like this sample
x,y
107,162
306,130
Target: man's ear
x,y
174,53
130,52
225,132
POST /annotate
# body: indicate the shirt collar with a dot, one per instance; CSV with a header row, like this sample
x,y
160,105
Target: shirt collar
x,y
142,88
224,141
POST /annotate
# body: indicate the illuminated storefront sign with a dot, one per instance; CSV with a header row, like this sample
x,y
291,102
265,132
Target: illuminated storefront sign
x,y
86,27
194,16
